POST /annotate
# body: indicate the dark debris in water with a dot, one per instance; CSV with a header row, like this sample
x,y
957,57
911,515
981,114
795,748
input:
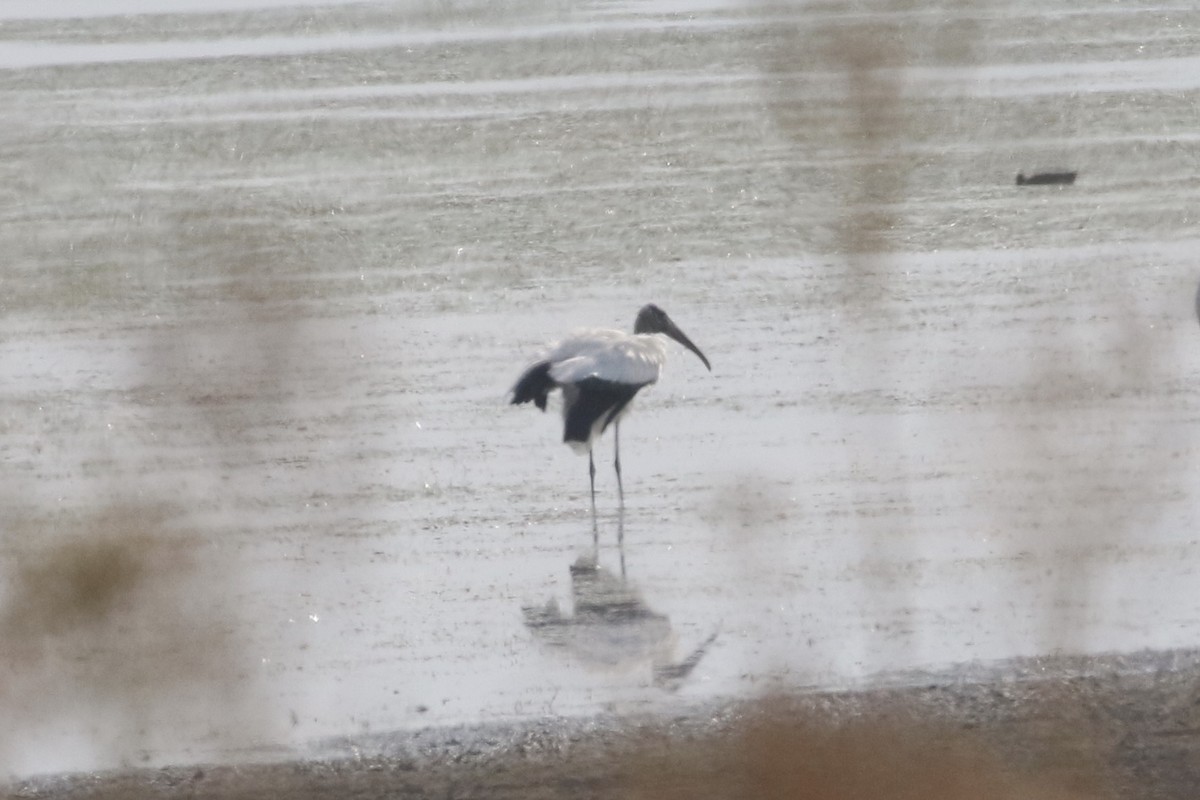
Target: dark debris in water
x,y
1058,178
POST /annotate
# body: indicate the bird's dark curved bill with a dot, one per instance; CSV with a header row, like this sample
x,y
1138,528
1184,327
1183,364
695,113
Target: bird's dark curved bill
x,y
682,338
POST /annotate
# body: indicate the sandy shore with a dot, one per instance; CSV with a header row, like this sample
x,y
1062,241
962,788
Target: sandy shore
x,y
1114,726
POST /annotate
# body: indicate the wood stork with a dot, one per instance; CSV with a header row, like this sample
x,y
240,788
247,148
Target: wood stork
x,y
599,372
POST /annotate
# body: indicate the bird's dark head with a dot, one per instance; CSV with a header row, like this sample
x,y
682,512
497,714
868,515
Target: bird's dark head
x,y
652,319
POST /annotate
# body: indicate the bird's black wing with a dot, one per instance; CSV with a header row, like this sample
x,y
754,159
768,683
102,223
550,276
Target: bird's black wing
x,y
596,399
534,385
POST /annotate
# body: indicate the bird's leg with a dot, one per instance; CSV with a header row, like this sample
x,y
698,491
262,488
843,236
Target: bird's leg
x,y
621,492
621,538
617,462
592,478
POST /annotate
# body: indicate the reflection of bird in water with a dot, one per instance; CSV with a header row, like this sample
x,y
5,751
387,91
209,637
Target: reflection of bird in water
x,y
612,626
599,372
672,676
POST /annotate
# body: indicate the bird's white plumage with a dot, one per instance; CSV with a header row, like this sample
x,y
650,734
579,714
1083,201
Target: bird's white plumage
x,y
633,359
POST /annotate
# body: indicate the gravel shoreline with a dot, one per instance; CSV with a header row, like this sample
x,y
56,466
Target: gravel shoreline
x,y
1066,726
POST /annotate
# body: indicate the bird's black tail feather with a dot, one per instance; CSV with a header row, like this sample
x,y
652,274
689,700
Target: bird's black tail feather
x,y
534,385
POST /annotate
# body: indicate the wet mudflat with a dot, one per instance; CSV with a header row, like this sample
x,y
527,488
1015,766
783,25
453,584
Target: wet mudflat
x,y
268,273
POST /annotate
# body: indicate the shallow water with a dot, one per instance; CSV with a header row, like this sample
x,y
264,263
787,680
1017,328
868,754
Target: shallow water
x,y
269,272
